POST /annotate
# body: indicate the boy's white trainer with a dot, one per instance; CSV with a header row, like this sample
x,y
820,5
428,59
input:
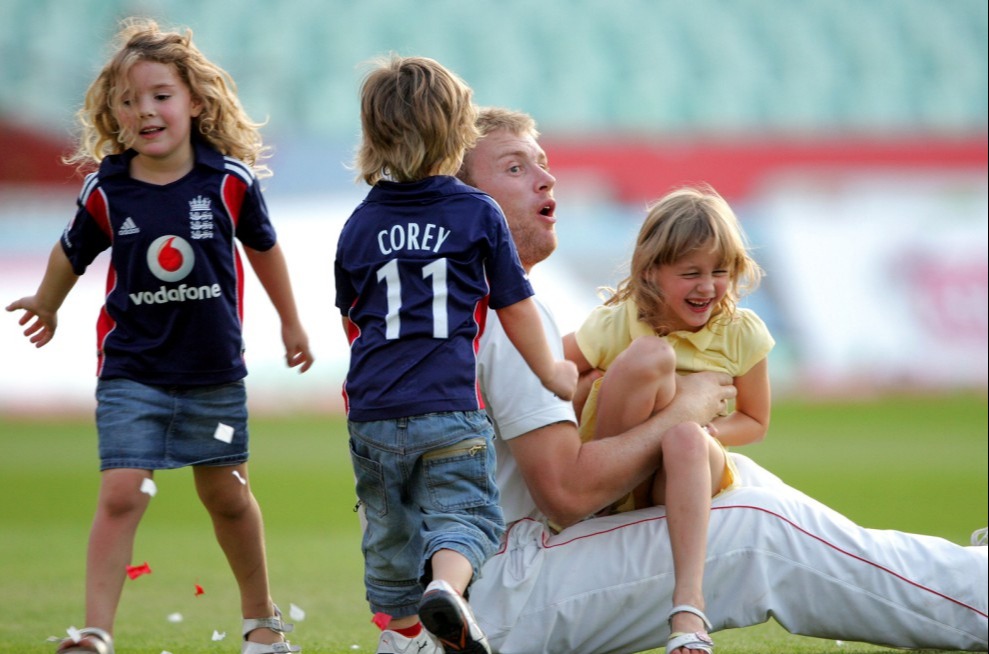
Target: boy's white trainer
x,y
392,642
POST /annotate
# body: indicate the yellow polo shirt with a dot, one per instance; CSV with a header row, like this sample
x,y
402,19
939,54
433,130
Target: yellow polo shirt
x,y
732,348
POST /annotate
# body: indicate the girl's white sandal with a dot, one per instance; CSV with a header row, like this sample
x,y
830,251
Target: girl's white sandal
x,y
696,640
274,623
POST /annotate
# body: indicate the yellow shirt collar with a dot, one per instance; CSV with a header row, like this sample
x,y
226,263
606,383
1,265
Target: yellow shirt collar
x,y
700,339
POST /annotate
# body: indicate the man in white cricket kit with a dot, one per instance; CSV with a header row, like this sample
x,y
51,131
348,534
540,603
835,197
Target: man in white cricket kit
x,y
603,584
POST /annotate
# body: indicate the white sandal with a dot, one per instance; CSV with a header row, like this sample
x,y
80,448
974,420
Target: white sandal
x,y
696,640
91,640
274,623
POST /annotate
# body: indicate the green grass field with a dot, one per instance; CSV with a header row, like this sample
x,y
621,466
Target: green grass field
x,y
914,464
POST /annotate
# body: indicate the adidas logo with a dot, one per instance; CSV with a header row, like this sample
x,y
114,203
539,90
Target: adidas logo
x,y
128,227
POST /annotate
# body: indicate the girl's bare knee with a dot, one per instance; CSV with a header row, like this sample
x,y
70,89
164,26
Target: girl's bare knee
x,y
654,348
228,505
224,498
121,494
118,505
686,442
648,357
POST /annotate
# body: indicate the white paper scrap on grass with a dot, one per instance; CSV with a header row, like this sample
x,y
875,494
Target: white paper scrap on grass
x,y
224,433
175,617
296,613
219,635
148,486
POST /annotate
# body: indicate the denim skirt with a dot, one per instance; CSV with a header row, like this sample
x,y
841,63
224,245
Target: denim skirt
x,y
164,427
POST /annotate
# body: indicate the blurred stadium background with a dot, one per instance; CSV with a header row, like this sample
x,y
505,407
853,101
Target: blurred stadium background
x,y
850,136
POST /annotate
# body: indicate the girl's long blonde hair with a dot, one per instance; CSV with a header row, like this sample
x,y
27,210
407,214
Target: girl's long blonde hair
x,y
682,222
223,122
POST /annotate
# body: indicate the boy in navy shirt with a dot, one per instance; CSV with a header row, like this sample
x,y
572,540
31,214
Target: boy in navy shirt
x,y
418,264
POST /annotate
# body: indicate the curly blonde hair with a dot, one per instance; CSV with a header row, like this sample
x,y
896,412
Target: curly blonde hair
x,y
685,221
417,120
223,122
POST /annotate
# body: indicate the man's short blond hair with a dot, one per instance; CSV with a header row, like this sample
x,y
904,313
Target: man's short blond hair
x,y
490,119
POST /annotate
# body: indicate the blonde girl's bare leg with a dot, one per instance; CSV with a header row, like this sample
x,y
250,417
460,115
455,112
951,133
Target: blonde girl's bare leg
x,y
119,508
684,485
239,530
639,383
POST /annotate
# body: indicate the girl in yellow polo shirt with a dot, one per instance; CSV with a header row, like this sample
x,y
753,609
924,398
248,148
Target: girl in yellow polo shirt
x,y
677,313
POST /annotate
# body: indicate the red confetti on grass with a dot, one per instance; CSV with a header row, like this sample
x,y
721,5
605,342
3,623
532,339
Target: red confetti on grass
x,y
382,620
135,571
199,590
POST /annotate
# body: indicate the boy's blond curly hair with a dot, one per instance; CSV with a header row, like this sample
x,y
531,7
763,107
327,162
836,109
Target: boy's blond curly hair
x,y
417,120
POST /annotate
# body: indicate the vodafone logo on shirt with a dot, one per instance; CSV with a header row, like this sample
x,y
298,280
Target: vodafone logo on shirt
x,y
171,259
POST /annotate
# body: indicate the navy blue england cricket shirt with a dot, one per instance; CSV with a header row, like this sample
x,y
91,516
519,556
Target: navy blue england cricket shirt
x,y
174,293
417,266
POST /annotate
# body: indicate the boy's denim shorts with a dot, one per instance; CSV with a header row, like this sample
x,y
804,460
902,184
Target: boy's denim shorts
x,y
426,483
163,427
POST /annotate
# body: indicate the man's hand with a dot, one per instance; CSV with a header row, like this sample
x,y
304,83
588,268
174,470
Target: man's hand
x,y
704,395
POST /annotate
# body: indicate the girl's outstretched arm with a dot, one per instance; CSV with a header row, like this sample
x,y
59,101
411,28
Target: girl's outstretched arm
x,y
749,422
272,272
41,309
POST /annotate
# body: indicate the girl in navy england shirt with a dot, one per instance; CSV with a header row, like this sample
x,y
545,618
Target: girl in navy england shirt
x,y
175,185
